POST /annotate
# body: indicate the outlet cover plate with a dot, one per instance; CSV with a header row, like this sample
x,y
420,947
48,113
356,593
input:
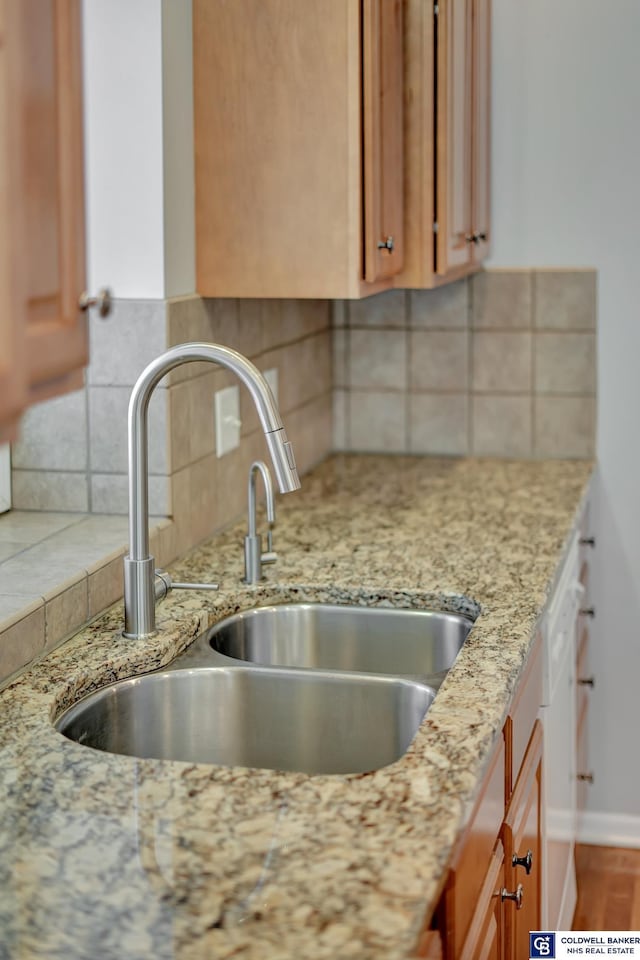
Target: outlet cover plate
x,y
228,423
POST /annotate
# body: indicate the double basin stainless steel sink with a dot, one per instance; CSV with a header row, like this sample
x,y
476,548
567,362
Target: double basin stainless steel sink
x,y
316,688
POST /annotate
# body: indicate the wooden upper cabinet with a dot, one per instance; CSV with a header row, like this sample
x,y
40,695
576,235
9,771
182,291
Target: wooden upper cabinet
x,y
42,159
454,135
447,139
463,52
298,146
382,131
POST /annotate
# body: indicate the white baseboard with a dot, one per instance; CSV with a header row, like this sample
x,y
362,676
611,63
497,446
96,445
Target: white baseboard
x,y
609,829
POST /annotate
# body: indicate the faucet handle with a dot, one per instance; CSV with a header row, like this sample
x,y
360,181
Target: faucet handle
x,y
164,585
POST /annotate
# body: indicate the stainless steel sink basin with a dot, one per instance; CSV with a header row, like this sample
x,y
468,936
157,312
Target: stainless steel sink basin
x,y
377,640
314,722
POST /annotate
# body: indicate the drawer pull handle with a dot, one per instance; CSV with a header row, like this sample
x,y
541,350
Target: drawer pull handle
x,y
526,862
518,896
585,777
588,612
587,682
588,541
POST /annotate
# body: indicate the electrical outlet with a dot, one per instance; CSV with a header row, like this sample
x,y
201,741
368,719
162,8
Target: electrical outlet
x,y
271,376
228,423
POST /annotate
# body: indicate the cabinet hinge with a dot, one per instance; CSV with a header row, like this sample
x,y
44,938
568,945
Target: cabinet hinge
x,y
435,226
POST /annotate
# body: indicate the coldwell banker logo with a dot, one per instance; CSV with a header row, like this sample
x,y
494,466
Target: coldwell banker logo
x,y
542,945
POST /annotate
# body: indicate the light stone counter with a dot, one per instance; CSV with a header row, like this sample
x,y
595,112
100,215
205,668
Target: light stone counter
x,y
108,857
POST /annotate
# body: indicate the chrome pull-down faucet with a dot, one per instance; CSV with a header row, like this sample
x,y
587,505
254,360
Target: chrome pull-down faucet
x,y
253,555
140,590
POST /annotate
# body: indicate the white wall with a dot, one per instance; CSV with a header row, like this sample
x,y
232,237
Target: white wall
x,y
139,147
566,192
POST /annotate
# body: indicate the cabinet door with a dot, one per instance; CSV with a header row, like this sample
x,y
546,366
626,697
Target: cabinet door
x,y
522,842
13,391
382,45
481,186
454,108
486,933
52,208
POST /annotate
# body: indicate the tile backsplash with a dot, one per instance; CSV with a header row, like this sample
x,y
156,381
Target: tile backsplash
x,y
72,455
500,364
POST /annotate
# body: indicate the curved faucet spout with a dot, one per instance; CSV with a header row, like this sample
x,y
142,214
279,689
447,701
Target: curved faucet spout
x,y
139,565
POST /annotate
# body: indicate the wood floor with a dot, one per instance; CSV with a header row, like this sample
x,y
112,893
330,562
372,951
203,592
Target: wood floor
x,y
608,888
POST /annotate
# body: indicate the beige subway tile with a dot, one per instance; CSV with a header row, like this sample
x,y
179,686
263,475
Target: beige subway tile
x,y
21,643
438,423
15,607
108,407
444,307
339,314
207,490
340,354
386,309
565,299
378,359
49,490
192,420
31,527
286,321
438,360
53,435
501,426
565,362
377,422
187,323
565,427
65,612
310,430
9,548
502,299
105,584
340,420
164,540
134,335
501,362
110,494
304,371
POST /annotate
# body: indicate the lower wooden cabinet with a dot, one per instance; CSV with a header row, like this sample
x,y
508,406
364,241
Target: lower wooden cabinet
x,y
523,851
493,894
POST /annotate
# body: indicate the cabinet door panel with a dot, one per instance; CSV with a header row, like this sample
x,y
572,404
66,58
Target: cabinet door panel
x,y
52,190
481,186
484,940
454,134
383,132
522,834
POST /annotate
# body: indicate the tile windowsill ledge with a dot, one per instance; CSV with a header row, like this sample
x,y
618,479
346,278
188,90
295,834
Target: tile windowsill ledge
x,y
57,572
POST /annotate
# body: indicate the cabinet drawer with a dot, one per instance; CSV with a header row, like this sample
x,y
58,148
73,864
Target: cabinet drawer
x,y
523,714
475,853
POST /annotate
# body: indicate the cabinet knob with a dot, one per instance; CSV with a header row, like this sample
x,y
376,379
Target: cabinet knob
x,y
526,861
475,237
517,897
102,301
585,777
587,682
387,244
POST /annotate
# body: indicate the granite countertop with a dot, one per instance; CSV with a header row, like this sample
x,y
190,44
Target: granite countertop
x,y
111,857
